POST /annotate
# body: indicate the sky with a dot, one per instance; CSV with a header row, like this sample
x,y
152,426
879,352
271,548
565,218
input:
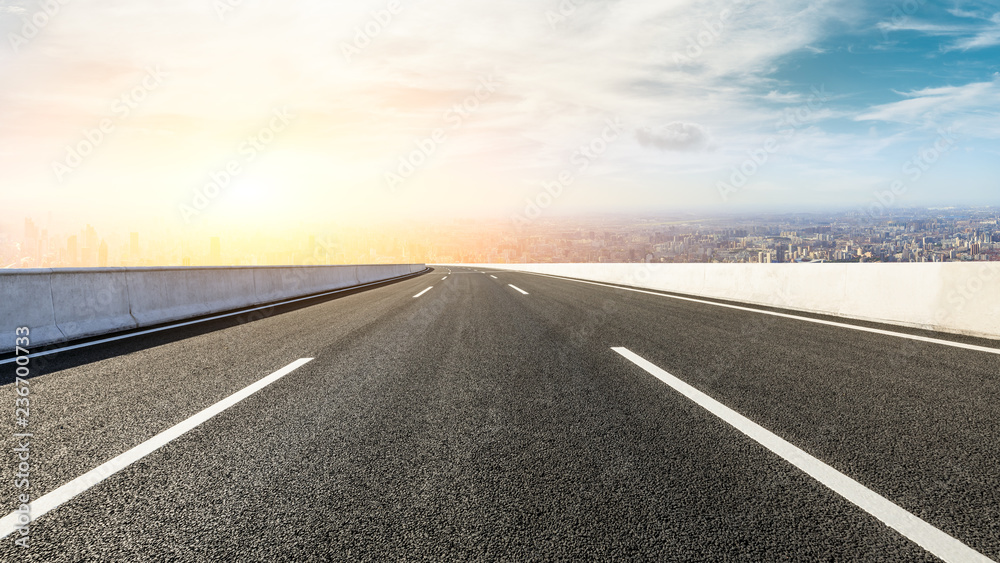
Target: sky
x,y
197,113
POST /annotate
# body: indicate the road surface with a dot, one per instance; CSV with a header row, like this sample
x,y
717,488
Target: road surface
x,y
471,414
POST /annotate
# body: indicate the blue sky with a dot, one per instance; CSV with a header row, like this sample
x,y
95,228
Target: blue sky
x,y
896,55
713,104
897,74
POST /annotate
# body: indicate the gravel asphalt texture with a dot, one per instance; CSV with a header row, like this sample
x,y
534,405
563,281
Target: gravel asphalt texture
x,y
477,423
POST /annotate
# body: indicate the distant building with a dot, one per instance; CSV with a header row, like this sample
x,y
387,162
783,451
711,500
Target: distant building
x,y
71,251
90,237
30,230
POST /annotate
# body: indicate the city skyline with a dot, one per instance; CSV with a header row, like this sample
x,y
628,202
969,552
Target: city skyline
x,y
914,235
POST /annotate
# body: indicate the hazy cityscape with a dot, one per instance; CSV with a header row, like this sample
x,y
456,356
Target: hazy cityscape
x,y
916,235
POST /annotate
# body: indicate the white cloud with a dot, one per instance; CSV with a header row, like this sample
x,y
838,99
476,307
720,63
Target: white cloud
x,y
676,136
969,109
932,105
987,38
984,33
556,83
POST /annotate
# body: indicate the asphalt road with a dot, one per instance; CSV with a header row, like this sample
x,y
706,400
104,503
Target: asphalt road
x,y
490,419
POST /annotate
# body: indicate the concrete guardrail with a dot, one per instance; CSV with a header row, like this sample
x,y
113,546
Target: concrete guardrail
x,y
960,298
64,304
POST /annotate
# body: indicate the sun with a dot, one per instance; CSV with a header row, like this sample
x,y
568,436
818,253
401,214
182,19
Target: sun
x,y
250,196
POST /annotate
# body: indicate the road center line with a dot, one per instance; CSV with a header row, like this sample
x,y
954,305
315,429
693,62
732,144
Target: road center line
x,y
943,342
423,292
518,288
916,530
50,501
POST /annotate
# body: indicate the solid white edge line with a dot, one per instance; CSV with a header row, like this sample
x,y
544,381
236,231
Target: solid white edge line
x,y
423,292
52,500
786,315
518,288
205,320
916,530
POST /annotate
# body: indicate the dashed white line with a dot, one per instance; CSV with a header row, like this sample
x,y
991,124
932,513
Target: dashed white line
x,y
50,501
943,342
444,278
492,276
913,528
423,292
518,288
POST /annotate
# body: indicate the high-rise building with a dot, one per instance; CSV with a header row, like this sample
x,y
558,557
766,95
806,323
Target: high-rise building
x,y
30,230
88,256
102,254
71,252
90,237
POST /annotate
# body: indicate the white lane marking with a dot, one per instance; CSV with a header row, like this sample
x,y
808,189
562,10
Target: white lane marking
x,y
788,316
518,288
216,317
444,278
913,528
52,500
492,276
423,292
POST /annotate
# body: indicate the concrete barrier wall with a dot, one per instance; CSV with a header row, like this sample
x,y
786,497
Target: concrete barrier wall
x,y
369,274
26,300
78,296
158,296
275,284
960,298
64,304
